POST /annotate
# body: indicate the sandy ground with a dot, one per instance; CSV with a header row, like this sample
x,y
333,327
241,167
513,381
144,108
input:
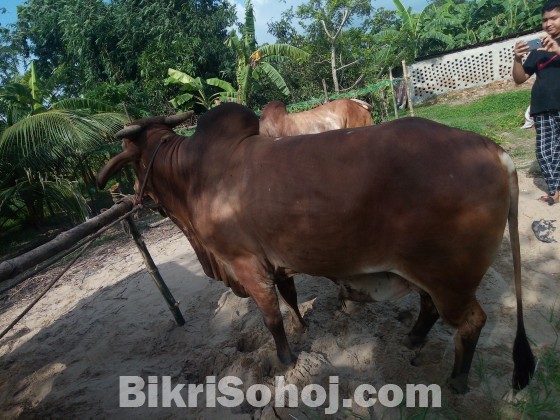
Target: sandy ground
x,y
106,318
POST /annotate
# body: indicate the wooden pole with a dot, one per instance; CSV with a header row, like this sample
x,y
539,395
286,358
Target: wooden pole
x,y
408,92
132,230
154,272
325,90
121,210
393,93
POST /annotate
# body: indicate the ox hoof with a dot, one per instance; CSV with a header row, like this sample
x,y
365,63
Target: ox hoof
x,y
288,359
413,341
458,384
302,327
299,326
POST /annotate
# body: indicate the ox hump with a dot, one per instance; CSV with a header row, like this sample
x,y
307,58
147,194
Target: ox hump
x,y
229,120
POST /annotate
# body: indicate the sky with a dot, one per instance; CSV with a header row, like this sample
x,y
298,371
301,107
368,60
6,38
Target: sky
x,y
265,11
270,10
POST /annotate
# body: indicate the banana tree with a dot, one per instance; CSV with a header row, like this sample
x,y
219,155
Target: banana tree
x,y
417,32
254,63
44,151
200,90
496,18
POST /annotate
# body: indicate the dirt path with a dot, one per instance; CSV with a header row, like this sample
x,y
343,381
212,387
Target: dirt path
x,y
107,319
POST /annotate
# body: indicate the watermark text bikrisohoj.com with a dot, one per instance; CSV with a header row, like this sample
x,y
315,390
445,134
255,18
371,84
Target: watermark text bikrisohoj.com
x,y
158,391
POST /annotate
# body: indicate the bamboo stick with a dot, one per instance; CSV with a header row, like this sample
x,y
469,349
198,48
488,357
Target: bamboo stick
x,y
154,272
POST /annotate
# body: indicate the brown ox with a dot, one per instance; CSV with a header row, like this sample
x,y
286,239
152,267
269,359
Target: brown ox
x,y
354,205
341,113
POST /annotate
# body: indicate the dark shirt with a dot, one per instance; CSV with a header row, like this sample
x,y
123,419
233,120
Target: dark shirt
x,y
545,95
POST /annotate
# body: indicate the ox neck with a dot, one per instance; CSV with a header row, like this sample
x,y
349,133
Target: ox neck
x,y
165,152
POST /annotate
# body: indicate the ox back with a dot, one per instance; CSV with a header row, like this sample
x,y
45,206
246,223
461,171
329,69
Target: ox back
x,y
340,113
377,209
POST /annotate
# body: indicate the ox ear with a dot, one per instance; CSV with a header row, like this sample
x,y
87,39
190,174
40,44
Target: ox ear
x,y
115,165
175,120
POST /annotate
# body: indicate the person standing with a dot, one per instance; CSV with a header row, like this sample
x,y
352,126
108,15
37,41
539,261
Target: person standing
x,y
544,62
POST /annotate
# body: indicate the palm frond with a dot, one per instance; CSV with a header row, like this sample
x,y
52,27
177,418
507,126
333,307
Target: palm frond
x,y
276,59
234,43
61,194
65,196
446,39
404,13
387,34
180,100
55,134
188,82
91,105
283,50
222,84
274,77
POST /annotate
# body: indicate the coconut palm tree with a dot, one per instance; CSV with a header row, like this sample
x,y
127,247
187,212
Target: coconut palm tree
x,y
255,62
45,148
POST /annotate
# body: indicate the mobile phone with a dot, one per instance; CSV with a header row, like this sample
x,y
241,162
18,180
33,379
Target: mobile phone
x,y
534,44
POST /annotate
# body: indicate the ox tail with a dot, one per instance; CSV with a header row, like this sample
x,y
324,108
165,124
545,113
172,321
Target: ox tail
x,y
523,359
363,104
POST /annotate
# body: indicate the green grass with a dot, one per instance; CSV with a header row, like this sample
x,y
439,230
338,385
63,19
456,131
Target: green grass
x,y
490,115
541,399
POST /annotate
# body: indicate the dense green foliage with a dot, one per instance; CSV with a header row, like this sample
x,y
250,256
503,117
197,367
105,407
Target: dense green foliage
x,y
48,152
195,91
122,49
372,40
87,42
255,64
8,54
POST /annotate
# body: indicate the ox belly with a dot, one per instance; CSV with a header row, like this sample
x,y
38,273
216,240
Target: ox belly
x,y
373,287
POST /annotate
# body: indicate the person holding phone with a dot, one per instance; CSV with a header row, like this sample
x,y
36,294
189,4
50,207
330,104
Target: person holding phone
x,y
544,62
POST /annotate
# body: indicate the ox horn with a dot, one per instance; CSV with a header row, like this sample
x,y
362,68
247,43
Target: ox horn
x,y
129,131
175,120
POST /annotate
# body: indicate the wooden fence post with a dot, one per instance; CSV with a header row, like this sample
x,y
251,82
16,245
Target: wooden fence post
x,y
393,93
325,90
408,92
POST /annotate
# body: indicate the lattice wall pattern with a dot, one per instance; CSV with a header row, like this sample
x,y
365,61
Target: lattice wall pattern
x,y
464,69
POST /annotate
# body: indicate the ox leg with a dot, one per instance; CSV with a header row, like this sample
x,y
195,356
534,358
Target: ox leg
x,y
263,291
270,309
287,290
469,324
426,319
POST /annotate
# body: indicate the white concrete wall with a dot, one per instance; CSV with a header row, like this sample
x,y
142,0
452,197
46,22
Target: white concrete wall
x,y
463,69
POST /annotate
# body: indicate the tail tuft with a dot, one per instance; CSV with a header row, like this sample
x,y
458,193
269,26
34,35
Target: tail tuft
x,y
523,360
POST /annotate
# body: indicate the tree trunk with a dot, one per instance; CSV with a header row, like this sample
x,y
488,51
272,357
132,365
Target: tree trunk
x,y
11,268
35,210
333,68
